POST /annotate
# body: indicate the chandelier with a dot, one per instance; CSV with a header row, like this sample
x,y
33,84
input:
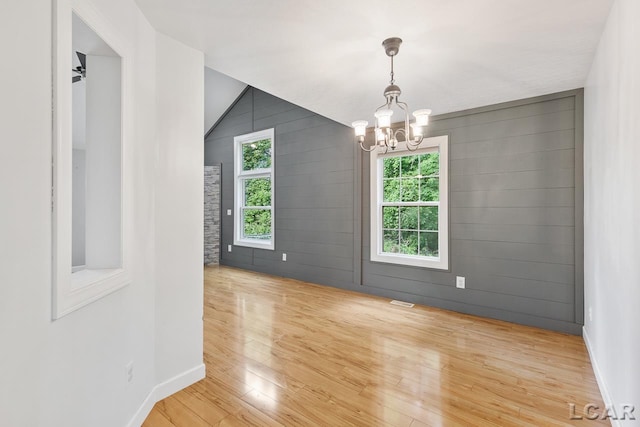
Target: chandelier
x,y
385,136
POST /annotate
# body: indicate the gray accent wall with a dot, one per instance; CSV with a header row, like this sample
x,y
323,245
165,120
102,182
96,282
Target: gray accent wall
x,y
516,226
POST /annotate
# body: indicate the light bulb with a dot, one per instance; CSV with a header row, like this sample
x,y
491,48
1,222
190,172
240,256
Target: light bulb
x,y
417,130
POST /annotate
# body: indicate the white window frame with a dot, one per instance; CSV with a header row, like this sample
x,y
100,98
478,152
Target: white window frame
x,y
238,189
441,262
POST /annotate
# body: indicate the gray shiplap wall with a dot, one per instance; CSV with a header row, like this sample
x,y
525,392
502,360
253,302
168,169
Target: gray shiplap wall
x,y
516,229
313,190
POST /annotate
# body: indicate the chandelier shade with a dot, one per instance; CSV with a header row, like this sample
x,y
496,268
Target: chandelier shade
x,y
360,127
412,133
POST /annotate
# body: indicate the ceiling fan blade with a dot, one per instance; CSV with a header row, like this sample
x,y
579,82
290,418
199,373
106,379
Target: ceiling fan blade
x,y
76,79
83,59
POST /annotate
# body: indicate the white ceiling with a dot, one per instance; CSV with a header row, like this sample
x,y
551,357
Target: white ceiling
x,y
326,55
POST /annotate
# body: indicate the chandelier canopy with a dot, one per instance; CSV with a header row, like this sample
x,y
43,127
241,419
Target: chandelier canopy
x,y
385,136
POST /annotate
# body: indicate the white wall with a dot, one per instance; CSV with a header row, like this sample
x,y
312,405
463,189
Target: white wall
x,y
79,107
71,372
78,211
79,132
104,166
25,177
612,207
179,207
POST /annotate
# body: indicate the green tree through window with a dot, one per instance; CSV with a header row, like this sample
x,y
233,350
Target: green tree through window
x,y
257,222
409,215
256,155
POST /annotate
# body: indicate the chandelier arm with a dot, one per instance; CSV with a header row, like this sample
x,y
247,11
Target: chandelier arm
x,y
368,150
404,107
410,145
415,141
388,136
384,106
415,147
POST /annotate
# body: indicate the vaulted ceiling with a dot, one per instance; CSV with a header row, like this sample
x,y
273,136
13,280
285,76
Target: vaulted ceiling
x,y
326,55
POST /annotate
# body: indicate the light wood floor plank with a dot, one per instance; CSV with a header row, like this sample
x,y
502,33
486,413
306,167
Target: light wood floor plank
x,y
156,419
281,352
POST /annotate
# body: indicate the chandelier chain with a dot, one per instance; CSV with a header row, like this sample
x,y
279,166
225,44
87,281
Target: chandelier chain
x,y
392,77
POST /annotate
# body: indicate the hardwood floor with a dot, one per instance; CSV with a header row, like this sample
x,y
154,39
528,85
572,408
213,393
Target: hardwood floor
x,y
281,352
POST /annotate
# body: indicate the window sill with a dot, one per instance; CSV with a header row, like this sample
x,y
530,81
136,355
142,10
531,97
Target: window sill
x,y
412,261
87,277
256,244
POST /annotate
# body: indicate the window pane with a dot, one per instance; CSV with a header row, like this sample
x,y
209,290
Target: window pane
x,y
429,218
390,242
429,189
391,190
390,217
256,155
429,164
257,192
410,189
429,243
391,167
409,218
409,242
256,224
409,165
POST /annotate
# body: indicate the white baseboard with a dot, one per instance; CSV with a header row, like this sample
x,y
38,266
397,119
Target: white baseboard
x,y
604,391
166,389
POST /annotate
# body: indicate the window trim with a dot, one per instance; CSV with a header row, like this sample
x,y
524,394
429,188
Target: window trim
x,y
440,143
238,199
72,290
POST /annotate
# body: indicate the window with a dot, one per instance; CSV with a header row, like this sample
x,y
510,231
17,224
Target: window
x,y
253,189
409,205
